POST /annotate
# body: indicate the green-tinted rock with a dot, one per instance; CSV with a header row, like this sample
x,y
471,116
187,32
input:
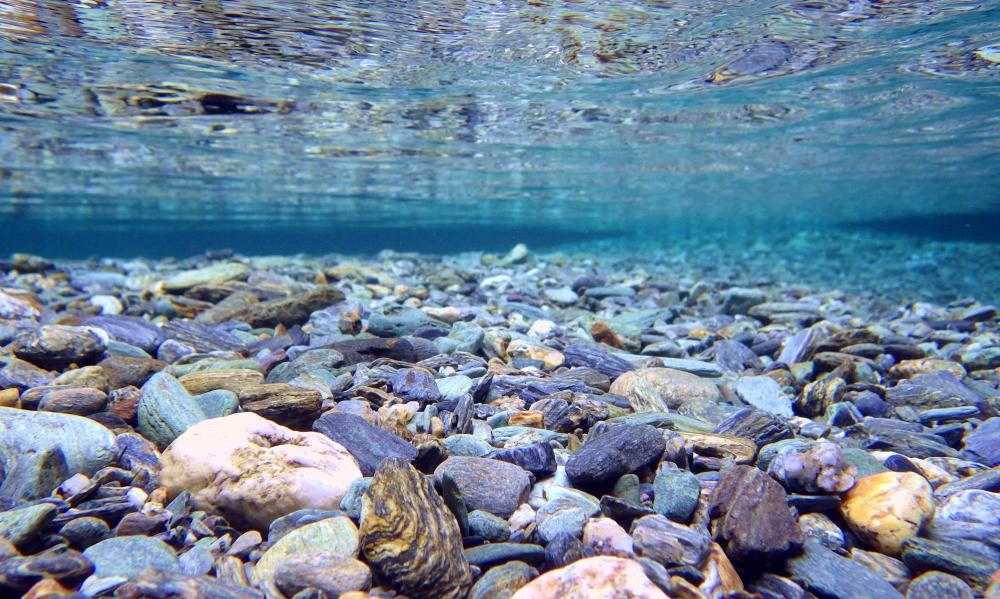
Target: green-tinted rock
x,y
503,581
129,556
676,494
336,535
166,409
20,526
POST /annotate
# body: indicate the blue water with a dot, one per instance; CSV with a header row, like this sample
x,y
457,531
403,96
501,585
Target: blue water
x,y
158,128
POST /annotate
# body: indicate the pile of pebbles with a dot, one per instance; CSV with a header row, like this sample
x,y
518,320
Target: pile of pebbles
x,y
487,426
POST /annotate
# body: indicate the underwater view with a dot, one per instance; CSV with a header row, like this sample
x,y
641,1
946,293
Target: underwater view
x,y
688,299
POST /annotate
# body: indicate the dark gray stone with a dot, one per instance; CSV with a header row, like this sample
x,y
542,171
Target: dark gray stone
x,y
596,357
616,450
492,554
538,459
129,329
983,445
397,321
286,524
489,485
503,581
415,384
369,444
938,585
676,493
830,576
760,426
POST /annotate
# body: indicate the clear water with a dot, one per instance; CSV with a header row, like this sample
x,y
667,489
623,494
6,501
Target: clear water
x,y
169,127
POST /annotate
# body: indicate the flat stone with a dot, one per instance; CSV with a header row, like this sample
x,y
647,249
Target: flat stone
x,y
415,384
538,458
606,456
983,445
130,556
328,572
397,321
695,367
216,273
166,409
666,389
938,585
757,425
270,471
297,519
592,355
287,311
369,444
764,393
829,575
600,577
409,536
230,379
669,543
972,561
290,406
750,517
489,527
738,300
560,516
336,536
490,485
132,330
58,346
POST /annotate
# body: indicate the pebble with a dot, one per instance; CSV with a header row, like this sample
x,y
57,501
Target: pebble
x,y
618,450
336,536
827,574
676,493
600,577
490,485
669,543
325,571
938,585
130,555
503,581
887,508
369,444
764,393
166,409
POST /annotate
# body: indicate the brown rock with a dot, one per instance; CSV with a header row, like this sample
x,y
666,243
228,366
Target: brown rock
x,y
410,537
527,418
750,517
124,403
230,379
124,371
289,406
911,368
601,577
81,401
666,389
10,398
288,311
887,508
332,574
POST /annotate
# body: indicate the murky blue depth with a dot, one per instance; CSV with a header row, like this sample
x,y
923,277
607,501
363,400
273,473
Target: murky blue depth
x,y
153,127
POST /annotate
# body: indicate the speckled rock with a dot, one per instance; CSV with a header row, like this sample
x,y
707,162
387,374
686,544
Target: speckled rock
x,y
601,577
58,346
19,526
669,543
938,585
667,389
503,581
410,537
335,536
764,393
489,485
676,493
216,273
816,468
270,470
829,575
886,509
325,571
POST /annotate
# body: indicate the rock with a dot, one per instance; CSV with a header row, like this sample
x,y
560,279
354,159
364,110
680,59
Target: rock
x,y
886,509
130,556
816,468
601,577
84,532
270,470
41,449
983,445
124,371
454,387
517,254
21,375
621,449
503,581
666,389
410,537
129,329
549,358
369,444
604,536
415,384
198,337
492,554
934,390
287,311
676,493
166,409
336,536
538,458
327,572
750,517
764,393
596,357
489,485
938,585
738,300
297,519
284,404
561,295
230,379
669,543
21,526
48,574
217,273
972,561
757,425
489,527
82,401
397,321
606,292
828,575
972,514
467,445
695,367
464,337
560,516
58,346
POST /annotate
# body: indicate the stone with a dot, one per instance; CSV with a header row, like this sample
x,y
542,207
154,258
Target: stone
x,y
739,300
594,356
369,444
82,401
757,425
48,574
270,470
604,536
130,556
328,572
131,330
829,575
490,485
503,581
409,536
606,292
492,554
21,375
666,389
284,404
415,384
209,275
21,526
45,448
287,311
84,532
489,527
464,337
467,445
764,393
972,561
938,585
676,493
561,295
453,388
695,367
124,371
538,458
816,468
886,509
550,358
166,409
230,379
397,321
669,543
983,444
750,517
336,536
560,516
58,346
606,456
600,577
297,519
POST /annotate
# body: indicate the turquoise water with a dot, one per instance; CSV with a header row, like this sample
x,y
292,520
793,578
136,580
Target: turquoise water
x,y
167,128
